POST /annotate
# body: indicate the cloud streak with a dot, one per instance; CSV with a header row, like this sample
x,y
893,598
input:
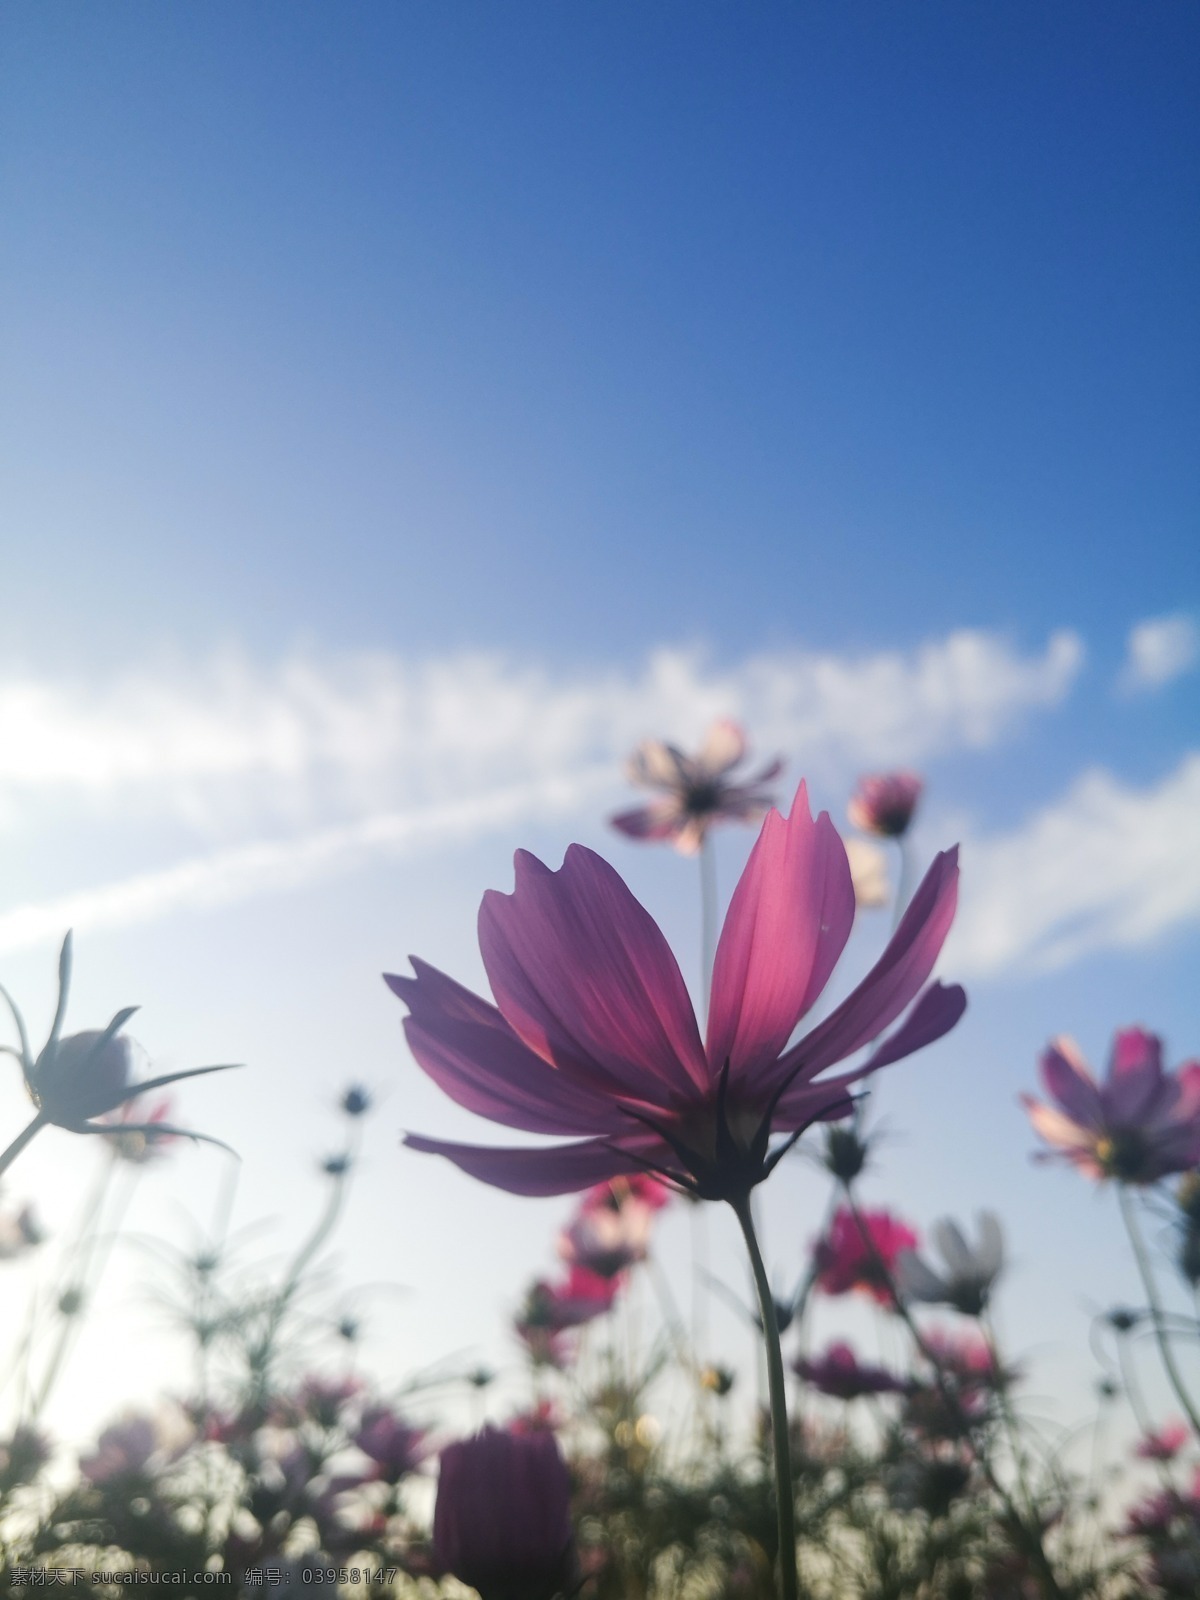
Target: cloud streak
x,y
233,745
1106,867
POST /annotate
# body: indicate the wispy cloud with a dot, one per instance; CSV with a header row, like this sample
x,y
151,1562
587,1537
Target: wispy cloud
x,y
1158,651
1105,867
270,866
232,745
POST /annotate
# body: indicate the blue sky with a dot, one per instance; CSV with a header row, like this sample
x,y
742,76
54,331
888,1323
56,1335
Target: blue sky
x,y
411,406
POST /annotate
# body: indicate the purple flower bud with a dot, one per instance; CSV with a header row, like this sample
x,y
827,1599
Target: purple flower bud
x,y
502,1522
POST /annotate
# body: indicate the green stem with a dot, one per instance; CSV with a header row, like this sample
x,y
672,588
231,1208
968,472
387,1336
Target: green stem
x,y
1129,1213
789,1585
1028,1533
22,1139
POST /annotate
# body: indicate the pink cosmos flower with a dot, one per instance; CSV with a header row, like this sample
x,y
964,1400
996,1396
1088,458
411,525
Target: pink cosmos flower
x,y
593,1036
884,804
1140,1125
846,1262
1165,1444
611,1230
840,1373
698,788
502,1519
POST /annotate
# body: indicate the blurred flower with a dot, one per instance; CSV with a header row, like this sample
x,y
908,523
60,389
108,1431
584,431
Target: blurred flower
x,y
137,1135
1165,1444
846,1152
717,1380
884,804
869,874
969,1274
611,1230
20,1232
1140,1125
23,1454
323,1400
581,1298
698,789
136,1445
595,1033
502,1519
840,1373
87,1075
845,1261
394,1445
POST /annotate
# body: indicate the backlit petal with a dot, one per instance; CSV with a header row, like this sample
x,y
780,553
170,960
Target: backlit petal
x,y
582,973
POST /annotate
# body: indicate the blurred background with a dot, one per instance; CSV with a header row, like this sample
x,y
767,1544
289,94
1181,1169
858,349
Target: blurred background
x,y
404,410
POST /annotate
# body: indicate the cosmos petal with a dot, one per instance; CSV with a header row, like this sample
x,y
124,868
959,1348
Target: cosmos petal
x,y
471,1053
584,976
552,1169
786,926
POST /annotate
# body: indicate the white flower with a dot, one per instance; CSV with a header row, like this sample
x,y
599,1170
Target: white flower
x,y
969,1274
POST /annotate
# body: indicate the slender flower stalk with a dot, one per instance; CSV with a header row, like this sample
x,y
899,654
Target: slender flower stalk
x,y
785,1505
1158,1321
1026,1525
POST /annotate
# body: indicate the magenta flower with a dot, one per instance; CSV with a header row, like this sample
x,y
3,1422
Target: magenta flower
x,y
846,1262
593,1036
1165,1444
1140,1125
884,804
698,788
502,1520
840,1373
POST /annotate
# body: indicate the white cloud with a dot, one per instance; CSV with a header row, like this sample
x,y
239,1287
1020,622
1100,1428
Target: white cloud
x,y
225,876
1158,651
232,745
1105,867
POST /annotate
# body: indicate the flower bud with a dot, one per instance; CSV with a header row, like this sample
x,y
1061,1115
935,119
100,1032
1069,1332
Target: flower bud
x,y
502,1521
82,1076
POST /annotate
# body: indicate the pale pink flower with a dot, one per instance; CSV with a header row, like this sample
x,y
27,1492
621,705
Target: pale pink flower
x,y
594,1038
1140,1125
846,1262
698,789
884,804
610,1232
869,874
138,1134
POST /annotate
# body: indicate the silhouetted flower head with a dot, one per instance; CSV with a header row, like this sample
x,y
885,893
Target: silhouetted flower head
x,y
77,1080
969,1274
840,1373
502,1519
1140,1125
356,1101
594,1037
394,1445
698,790
884,804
